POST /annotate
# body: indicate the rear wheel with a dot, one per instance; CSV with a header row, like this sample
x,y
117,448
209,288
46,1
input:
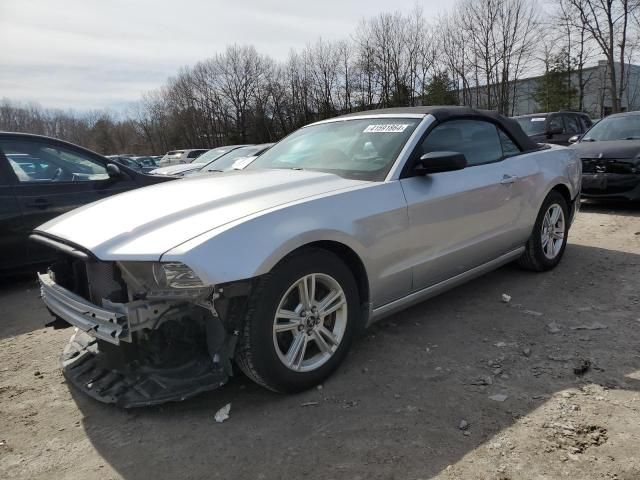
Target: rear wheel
x,y
548,240
300,322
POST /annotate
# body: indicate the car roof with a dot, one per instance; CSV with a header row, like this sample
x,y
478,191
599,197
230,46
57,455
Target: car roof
x,y
444,113
528,115
48,139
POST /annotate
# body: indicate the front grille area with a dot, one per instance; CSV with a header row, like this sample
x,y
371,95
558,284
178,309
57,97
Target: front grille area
x,y
92,280
71,273
609,165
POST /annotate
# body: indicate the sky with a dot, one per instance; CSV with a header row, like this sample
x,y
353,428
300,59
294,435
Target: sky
x,y
91,54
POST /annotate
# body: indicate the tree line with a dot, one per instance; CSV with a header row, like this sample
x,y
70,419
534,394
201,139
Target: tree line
x,y
473,55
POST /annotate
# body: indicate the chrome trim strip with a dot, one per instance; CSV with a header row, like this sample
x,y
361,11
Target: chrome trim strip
x,y
98,322
428,292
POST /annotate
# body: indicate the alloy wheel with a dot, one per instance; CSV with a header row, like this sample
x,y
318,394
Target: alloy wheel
x,y
553,231
310,322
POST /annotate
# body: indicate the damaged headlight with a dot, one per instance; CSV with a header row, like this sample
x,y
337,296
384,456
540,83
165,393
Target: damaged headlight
x,y
162,279
175,275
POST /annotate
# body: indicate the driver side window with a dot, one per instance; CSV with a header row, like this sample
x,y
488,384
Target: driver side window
x,y
38,162
477,140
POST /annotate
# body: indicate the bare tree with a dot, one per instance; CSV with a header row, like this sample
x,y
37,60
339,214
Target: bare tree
x,y
608,22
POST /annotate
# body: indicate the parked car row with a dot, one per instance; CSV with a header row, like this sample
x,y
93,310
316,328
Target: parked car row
x,y
142,164
609,149
216,160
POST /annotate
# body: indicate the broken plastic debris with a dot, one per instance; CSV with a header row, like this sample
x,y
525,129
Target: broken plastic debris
x,y
506,298
499,397
309,404
582,367
223,413
553,327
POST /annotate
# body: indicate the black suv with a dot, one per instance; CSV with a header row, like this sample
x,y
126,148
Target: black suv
x,y
555,127
41,178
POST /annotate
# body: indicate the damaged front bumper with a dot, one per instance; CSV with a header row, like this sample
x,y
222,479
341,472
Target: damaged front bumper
x,y
141,352
105,324
135,384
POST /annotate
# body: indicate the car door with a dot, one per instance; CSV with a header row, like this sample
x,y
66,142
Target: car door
x,y
572,126
556,130
51,178
13,250
462,219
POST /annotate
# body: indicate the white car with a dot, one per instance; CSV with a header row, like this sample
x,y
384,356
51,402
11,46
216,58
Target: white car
x,y
199,162
176,157
277,267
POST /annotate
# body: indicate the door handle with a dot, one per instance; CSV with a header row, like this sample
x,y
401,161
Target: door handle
x,y
508,179
41,203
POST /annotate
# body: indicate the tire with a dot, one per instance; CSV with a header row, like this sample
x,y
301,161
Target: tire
x,y
538,255
267,355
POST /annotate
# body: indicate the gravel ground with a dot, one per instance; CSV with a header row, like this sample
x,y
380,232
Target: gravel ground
x,y
465,385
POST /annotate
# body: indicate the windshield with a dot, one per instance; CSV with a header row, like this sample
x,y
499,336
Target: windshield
x,y
531,125
359,148
212,155
225,162
615,128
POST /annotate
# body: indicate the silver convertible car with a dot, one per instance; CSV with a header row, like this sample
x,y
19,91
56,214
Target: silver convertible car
x,y
277,268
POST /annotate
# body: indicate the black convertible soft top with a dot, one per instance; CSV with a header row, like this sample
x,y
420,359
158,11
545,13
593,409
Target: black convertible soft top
x,y
511,127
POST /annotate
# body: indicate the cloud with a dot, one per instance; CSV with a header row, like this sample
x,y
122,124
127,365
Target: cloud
x,y
86,54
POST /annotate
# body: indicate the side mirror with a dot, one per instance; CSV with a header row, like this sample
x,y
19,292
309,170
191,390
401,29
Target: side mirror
x,y
553,131
113,170
436,162
575,139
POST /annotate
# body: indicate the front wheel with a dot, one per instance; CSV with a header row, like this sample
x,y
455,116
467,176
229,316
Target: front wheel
x,y
547,243
300,322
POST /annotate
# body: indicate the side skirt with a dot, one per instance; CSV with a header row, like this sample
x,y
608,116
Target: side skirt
x,y
428,292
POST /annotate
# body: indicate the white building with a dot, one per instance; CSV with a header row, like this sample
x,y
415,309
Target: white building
x,y
597,100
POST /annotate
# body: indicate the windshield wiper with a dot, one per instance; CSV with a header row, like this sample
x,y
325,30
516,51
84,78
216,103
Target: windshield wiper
x,y
588,140
630,138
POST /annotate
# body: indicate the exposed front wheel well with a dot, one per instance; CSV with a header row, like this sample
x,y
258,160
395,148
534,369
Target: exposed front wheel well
x,y
566,194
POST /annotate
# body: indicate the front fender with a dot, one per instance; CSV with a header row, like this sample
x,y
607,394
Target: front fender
x,y
372,221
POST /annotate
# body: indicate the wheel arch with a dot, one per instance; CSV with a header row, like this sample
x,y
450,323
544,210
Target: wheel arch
x,y
351,259
564,191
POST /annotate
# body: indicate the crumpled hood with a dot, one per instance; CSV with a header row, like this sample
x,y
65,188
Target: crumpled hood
x,y
145,223
174,169
609,149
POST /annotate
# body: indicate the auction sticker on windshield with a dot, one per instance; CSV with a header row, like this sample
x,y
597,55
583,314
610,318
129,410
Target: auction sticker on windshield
x,y
387,128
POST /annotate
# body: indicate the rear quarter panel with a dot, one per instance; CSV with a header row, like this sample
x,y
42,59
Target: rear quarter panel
x,y
539,173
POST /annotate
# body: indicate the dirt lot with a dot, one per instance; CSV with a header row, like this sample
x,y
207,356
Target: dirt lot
x,y
462,386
